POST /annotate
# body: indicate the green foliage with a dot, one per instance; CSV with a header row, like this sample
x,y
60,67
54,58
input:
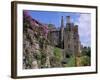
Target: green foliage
x,y
71,61
89,52
86,51
85,60
85,57
57,53
38,57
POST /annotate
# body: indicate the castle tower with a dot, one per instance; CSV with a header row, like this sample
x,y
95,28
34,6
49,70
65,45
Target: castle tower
x,y
69,24
62,32
76,41
68,19
68,38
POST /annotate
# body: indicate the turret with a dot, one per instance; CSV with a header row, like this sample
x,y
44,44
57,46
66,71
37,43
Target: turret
x,y
68,23
62,22
68,19
62,32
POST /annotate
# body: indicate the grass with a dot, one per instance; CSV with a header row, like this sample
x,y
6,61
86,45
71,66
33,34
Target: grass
x,y
57,53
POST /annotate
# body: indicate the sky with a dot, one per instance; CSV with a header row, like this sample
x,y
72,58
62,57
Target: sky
x,y
83,20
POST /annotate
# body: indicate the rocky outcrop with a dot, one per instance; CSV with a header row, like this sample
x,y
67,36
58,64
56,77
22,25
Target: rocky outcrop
x,y
37,51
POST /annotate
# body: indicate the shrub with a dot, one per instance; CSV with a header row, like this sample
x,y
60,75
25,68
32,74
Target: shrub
x,y
85,61
57,53
71,61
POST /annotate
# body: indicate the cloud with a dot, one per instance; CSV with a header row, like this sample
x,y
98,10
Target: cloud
x,y
84,22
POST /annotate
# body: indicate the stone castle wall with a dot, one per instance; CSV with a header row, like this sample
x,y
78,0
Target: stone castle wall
x,y
67,38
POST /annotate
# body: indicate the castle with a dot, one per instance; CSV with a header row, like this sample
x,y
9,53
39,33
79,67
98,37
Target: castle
x,y
66,38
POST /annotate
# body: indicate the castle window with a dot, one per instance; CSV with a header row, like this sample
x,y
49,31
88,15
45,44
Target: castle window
x,y
68,46
67,56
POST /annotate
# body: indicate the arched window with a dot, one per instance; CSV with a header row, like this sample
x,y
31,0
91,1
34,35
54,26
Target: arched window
x,y
68,45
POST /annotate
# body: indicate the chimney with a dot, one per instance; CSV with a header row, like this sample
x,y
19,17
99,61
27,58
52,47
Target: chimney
x,y
68,19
